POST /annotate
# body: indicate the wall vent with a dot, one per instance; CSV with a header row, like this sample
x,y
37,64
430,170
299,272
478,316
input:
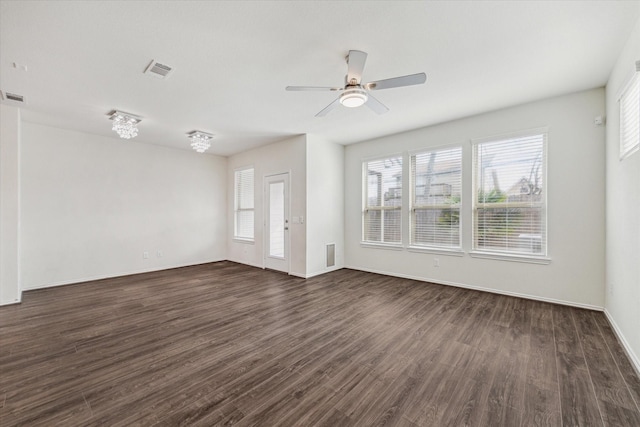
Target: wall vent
x,y
638,66
158,70
331,254
13,97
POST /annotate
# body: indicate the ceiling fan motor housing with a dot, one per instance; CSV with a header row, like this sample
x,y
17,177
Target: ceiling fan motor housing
x,y
353,96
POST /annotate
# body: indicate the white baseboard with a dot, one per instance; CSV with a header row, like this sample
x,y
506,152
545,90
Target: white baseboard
x,y
635,360
302,276
18,301
111,276
317,273
482,288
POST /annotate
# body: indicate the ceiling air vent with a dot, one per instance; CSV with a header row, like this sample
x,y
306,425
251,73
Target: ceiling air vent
x,y
158,70
13,97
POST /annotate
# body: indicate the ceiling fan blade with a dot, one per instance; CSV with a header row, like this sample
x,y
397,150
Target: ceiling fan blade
x,y
328,108
316,88
376,105
355,61
413,79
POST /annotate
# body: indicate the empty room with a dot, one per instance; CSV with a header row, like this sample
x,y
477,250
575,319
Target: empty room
x,y
319,213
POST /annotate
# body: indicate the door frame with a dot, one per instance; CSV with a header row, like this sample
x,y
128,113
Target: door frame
x,y
266,205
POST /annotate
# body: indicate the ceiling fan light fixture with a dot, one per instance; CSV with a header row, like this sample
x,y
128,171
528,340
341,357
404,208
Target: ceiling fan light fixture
x,y
354,97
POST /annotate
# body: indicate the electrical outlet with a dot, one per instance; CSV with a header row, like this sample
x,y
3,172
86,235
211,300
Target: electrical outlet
x,y
145,255
159,254
436,262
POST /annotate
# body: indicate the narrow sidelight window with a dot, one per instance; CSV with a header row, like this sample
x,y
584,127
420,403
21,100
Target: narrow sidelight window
x,y
244,212
630,116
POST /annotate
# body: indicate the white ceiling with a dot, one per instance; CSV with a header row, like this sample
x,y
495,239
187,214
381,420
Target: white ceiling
x,y
232,61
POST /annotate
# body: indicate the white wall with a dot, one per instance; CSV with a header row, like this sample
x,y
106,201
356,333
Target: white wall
x,y
325,203
575,204
10,290
91,206
623,213
289,156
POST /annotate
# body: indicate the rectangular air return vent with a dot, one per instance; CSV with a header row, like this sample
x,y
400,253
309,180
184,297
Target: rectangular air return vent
x,y
331,255
158,70
13,97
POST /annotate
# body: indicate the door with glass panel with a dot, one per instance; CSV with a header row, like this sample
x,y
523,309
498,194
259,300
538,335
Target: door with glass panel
x,y
276,191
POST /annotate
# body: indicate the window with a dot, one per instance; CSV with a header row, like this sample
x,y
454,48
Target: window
x,y
630,117
243,183
436,179
382,215
509,199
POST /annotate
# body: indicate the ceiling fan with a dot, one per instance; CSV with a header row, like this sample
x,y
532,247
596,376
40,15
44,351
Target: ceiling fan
x,y
354,93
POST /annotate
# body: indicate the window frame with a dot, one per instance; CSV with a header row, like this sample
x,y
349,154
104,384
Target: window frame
x,y
510,255
237,209
416,247
365,207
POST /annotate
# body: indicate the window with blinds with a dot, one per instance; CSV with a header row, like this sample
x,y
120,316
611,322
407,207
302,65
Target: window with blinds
x,y
509,200
382,214
243,184
436,181
630,117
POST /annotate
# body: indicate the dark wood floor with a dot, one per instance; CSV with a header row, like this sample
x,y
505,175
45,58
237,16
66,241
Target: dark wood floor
x,y
223,343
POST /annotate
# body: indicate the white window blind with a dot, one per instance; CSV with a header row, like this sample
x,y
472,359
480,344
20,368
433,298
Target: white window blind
x,y
382,215
509,197
243,183
436,179
630,117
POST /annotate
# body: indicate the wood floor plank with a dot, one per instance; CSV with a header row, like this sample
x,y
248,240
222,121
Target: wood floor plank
x,y
541,406
223,343
542,366
467,404
578,402
608,383
631,379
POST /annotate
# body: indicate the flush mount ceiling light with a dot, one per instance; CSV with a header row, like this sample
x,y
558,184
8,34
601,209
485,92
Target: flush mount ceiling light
x,y
353,97
125,124
200,141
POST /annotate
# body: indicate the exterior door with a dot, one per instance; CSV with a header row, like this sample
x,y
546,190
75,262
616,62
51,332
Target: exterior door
x,y
276,224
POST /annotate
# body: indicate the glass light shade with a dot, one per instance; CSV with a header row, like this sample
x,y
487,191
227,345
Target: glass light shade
x,y
353,98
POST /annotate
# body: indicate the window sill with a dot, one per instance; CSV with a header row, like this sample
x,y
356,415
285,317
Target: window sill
x,y
531,259
245,241
381,246
440,251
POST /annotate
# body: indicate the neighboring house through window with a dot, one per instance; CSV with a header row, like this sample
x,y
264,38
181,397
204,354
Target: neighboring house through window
x,y
509,194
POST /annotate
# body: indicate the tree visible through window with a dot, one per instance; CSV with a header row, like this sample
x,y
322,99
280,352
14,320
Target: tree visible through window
x,y
509,209
436,179
382,214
